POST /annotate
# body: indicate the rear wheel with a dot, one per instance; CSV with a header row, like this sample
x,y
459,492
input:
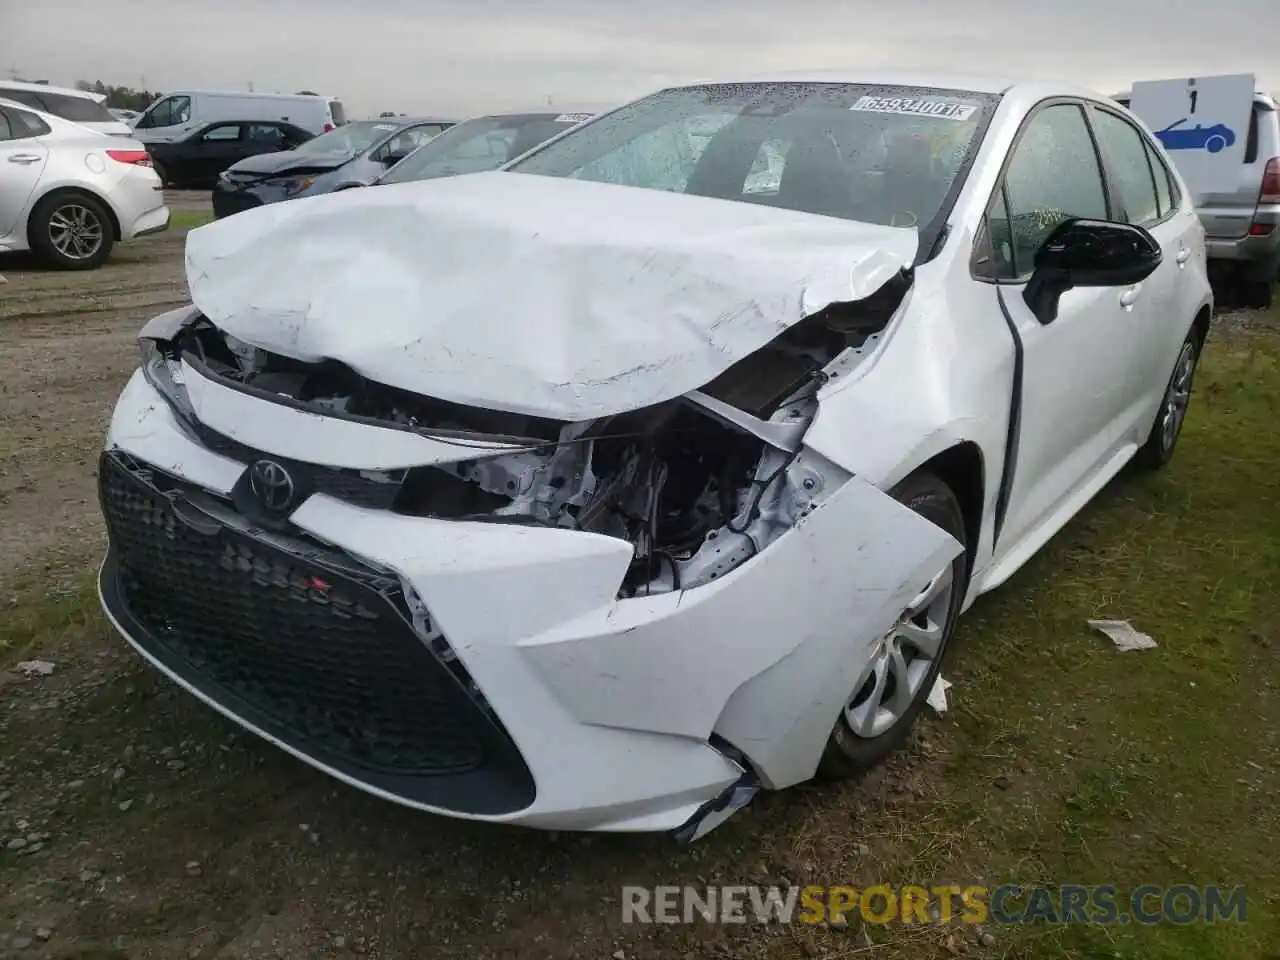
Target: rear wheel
x,y
905,662
72,231
1160,443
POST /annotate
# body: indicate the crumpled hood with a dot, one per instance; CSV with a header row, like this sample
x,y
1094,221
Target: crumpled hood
x,y
552,297
263,164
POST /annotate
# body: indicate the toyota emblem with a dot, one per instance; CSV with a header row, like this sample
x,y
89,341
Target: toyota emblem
x,y
271,484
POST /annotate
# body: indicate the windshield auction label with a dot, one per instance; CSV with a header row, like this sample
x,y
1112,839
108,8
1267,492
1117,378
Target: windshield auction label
x,y
572,117
916,107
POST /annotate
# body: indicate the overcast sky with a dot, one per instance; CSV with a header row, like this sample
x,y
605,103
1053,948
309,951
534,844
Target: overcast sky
x,y
459,56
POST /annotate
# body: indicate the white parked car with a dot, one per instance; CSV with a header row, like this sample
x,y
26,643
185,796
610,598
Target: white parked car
x,y
68,193
602,491
79,106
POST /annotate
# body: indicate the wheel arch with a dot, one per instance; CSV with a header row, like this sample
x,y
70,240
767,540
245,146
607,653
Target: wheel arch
x,y
962,468
1201,325
71,191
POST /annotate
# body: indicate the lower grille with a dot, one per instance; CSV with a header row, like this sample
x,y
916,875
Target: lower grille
x,y
225,203
317,654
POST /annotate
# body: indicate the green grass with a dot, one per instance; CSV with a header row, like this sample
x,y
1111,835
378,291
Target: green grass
x,y
189,219
1156,766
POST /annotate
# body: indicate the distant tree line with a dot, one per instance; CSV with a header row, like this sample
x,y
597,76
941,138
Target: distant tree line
x,y
122,98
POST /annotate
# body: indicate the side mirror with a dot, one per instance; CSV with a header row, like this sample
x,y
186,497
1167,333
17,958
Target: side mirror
x,y
391,159
1088,253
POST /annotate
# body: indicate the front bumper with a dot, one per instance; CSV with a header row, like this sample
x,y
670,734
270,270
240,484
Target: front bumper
x,y
539,698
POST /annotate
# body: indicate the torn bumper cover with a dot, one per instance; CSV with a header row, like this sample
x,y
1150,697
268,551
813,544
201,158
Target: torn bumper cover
x,y
612,609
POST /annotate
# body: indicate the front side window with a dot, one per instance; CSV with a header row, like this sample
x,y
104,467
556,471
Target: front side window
x,y
1135,179
25,96
169,112
1052,176
886,155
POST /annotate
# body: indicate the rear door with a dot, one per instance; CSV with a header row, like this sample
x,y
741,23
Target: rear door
x,y
22,159
1144,192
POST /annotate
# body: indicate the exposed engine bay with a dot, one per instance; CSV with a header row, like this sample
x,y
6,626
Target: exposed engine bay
x,y
698,485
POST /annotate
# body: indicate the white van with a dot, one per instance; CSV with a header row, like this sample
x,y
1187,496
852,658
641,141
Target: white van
x,y
78,106
175,115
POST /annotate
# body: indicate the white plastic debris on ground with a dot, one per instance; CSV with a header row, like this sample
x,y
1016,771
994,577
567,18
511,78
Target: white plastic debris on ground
x,y
937,698
35,668
1123,634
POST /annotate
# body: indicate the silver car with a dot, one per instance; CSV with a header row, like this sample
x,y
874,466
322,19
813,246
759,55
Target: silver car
x,y
1242,226
68,193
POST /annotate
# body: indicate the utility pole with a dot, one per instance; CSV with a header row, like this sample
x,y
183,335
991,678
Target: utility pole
x,y
251,86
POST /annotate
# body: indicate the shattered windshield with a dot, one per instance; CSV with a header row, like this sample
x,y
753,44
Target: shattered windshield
x,y
877,154
485,143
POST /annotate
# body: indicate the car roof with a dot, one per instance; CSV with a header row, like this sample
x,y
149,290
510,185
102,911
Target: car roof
x,y
993,85
49,88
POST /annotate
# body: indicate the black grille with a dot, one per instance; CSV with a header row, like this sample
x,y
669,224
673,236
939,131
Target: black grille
x,y
317,654
349,486
226,202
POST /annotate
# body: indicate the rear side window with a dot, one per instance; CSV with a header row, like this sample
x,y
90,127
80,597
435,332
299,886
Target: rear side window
x,y
28,125
226,131
338,114
77,109
1126,150
4,127
1255,121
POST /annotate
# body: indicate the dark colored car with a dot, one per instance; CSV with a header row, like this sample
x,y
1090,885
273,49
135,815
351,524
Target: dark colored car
x,y
484,143
354,155
198,158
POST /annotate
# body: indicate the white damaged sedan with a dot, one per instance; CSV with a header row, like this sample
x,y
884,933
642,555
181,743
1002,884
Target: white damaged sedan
x,y
603,491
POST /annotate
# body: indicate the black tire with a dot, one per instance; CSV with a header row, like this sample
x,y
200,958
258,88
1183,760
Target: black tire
x,y
68,206
848,754
158,167
1158,448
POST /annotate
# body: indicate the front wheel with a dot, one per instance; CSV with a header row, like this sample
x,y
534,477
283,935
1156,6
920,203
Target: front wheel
x,y
905,662
1160,443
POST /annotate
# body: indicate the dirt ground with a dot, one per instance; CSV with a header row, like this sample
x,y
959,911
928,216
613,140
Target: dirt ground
x,y
135,823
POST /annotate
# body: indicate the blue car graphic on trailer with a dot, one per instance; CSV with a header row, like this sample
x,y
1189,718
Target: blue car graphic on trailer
x,y
1214,138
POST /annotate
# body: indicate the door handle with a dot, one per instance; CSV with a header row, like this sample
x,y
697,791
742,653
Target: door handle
x,y
1130,297
1183,256
25,158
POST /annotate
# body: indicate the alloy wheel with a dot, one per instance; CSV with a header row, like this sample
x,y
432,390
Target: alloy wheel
x,y
902,660
75,231
1178,396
